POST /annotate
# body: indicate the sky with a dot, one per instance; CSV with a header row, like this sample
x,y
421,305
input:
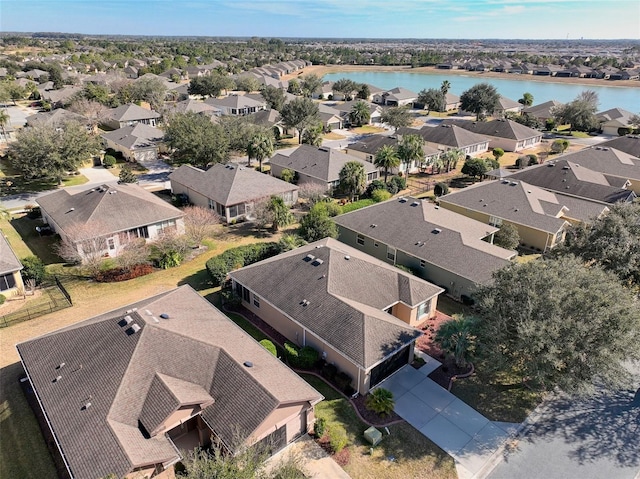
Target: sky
x,y
467,19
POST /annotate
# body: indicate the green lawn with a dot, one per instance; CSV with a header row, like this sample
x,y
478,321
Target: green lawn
x,y
41,246
450,307
12,182
414,455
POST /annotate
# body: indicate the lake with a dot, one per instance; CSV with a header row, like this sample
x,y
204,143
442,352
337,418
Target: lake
x,y
627,98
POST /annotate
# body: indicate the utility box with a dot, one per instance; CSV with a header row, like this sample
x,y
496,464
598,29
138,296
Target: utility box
x,y
373,436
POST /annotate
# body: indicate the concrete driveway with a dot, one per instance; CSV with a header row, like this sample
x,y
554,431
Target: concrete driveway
x,y
465,434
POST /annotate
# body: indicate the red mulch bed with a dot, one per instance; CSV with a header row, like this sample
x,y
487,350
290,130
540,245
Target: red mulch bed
x,y
370,416
425,342
120,274
446,371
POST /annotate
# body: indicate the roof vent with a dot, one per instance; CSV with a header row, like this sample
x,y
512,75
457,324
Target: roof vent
x,y
403,200
133,329
305,302
248,364
112,192
309,257
61,365
347,257
436,207
513,183
565,167
415,203
57,378
372,226
435,231
71,209
317,262
605,149
164,316
86,406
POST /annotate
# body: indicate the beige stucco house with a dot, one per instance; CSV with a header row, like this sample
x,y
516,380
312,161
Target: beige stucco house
x,y
10,266
138,142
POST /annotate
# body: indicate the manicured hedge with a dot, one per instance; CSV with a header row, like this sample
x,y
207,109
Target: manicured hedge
x,y
234,258
303,358
269,346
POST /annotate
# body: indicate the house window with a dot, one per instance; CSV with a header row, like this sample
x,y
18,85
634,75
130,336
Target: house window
x,y
166,225
375,243
287,196
212,204
360,239
495,221
391,254
111,243
7,281
256,300
559,236
237,210
423,263
221,210
245,294
424,308
142,232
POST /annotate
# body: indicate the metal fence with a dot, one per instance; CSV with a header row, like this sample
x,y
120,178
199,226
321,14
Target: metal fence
x,y
54,298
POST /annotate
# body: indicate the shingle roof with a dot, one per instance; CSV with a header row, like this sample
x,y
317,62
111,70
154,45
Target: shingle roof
x,y
618,114
566,177
497,128
521,203
508,103
346,291
135,137
194,106
9,262
108,209
321,163
629,144
543,110
267,117
235,101
411,229
55,117
372,143
230,184
131,112
400,93
194,356
446,135
607,160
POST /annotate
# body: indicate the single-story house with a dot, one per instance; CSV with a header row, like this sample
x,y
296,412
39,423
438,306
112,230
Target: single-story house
x,y
139,142
318,165
448,137
269,118
230,190
59,98
10,267
571,179
128,115
368,147
543,111
331,118
324,92
102,220
615,121
451,101
395,97
422,236
620,168
238,105
55,117
506,105
357,311
130,392
629,144
195,106
506,134
346,107
540,216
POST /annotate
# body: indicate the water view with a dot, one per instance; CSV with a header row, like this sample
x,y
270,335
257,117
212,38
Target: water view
x,y
627,98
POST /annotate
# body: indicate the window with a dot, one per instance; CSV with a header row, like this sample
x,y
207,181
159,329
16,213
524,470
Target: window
x,y
287,196
165,226
142,232
495,221
375,243
237,210
391,254
423,263
559,236
424,308
111,243
256,300
212,204
7,281
360,239
221,210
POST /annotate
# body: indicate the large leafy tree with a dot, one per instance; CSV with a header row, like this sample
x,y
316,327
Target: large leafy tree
x,y
47,151
300,114
310,84
4,121
475,168
387,158
411,150
507,236
194,139
238,129
353,179
363,91
579,113
613,241
317,224
397,117
274,97
151,90
360,113
559,323
432,99
260,146
210,85
481,99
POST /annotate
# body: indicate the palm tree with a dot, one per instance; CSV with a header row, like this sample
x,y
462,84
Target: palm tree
x,y
445,86
458,337
410,150
380,401
387,158
353,178
450,159
313,135
526,100
4,121
280,214
260,147
360,113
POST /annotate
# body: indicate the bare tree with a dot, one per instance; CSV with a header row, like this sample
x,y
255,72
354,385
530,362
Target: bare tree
x,y
92,110
312,192
199,223
131,252
83,245
262,214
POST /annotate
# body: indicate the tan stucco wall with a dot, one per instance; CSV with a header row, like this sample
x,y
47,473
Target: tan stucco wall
x,y
634,186
177,417
285,415
17,277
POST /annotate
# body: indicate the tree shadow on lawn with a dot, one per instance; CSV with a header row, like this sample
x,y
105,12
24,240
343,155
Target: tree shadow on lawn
x,y
603,426
406,442
199,280
42,246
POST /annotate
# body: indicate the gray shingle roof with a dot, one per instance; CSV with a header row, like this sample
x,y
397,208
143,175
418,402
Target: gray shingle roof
x,y
109,209
372,143
411,229
607,160
321,163
347,293
194,356
543,110
230,184
135,137
446,135
55,117
566,177
9,262
131,112
497,128
622,116
629,144
235,101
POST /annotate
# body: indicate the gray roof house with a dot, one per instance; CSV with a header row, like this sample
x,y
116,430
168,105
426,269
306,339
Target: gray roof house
x,y
570,179
55,117
506,105
629,144
346,107
318,165
443,247
239,105
58,98
128,115
138,142
614,120
448,137
231,190
195,106
621,169
108,217
130,391
10,267
356,310
506,134
395,97
543,111
540,216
